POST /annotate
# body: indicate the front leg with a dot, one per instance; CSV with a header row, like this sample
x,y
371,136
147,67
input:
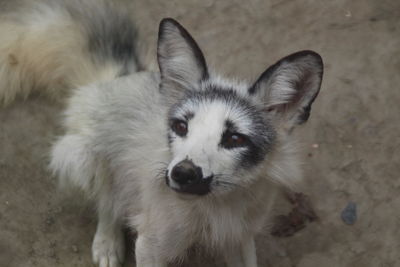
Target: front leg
x,y
146,253
108,247
242,256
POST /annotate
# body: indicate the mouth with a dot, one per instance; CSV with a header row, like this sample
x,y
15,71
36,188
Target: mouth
x,y
199,188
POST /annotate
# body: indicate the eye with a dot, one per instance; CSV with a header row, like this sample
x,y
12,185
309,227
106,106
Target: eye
x,y
231,140
179,127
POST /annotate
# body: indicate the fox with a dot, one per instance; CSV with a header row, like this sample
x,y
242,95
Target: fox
x,y
182,156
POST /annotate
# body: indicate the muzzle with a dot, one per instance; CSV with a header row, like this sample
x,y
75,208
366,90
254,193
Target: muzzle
x,y
189,179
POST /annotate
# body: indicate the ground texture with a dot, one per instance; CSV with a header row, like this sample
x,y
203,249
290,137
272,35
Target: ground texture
x,y
351,142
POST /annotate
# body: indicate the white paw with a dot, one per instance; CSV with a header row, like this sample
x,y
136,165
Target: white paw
x,y
108,249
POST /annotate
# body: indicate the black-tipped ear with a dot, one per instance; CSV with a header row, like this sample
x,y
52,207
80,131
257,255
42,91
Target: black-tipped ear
x,y
182,64
290,86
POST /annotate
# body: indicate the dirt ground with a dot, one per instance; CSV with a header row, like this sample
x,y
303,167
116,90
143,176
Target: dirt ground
x,y
351,142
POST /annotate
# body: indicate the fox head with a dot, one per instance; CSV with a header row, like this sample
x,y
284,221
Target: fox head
x,y
221,134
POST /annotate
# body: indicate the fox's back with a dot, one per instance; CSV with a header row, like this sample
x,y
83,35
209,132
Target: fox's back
x,y
126,110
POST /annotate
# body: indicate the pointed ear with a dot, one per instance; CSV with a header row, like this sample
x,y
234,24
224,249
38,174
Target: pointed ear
x,y
289,87
182,64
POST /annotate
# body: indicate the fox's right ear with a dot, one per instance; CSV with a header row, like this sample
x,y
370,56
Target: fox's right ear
x,y
182,64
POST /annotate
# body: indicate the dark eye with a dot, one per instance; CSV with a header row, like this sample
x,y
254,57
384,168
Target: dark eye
x,y
231,140
179,127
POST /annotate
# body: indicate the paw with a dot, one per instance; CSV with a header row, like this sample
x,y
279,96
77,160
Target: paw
x,y
108,249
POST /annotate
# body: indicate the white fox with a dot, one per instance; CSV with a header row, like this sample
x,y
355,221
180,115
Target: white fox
x,y
183,156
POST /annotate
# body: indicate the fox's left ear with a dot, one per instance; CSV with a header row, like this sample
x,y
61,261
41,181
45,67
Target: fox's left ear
x,y
289,87
182,64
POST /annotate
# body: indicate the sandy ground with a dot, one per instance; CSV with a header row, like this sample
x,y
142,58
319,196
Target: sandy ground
x,y
351,142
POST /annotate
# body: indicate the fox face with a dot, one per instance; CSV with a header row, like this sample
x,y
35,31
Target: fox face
x,y
220,132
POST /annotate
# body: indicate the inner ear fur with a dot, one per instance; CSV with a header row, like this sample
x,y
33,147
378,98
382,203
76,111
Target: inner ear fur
x,y
182,63
289,87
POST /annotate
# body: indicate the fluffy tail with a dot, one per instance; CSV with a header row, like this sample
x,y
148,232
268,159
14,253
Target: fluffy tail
x,y
51,46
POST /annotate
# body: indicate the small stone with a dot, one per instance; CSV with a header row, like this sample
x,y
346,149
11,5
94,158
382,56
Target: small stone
x,y
349,146
349,213
75,249
315,145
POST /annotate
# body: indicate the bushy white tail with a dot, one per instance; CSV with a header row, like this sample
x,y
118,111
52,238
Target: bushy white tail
x,y
55,45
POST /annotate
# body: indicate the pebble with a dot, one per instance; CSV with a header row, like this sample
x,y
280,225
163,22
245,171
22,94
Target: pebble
x,y
349,213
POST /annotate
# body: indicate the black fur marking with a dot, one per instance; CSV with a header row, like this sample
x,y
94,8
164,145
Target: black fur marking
x,y
188,116
111,35
230,126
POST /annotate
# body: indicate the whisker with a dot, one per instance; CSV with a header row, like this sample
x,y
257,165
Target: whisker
x,y
160,172
223,182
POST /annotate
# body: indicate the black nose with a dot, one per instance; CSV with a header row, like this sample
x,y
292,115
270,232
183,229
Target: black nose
x,y
190,179
185,172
